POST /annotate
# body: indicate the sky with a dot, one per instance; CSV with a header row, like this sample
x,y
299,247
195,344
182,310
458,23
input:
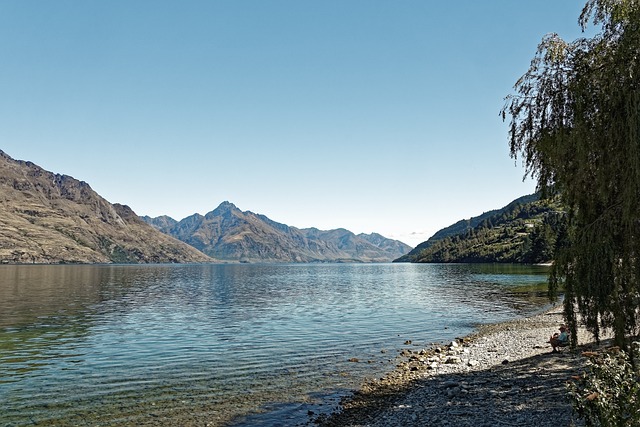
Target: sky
x,y
369,115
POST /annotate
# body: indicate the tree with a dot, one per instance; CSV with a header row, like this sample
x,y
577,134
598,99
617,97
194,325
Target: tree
x,y
575,122
540,244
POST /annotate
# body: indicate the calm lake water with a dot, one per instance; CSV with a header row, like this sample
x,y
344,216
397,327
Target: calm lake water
x,y
113,345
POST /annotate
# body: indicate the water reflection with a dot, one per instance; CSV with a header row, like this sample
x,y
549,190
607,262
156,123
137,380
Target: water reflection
x,y
111,345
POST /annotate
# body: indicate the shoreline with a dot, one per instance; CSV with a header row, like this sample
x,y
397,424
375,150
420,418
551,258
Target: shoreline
x,y
501,374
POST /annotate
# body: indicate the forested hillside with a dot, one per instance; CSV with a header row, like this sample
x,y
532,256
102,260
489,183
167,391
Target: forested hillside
x,y
525,231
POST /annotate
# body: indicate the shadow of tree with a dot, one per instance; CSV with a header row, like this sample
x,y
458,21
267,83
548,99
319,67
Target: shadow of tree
x,y
526,392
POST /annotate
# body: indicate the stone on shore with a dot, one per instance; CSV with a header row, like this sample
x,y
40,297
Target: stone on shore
x,y
502,375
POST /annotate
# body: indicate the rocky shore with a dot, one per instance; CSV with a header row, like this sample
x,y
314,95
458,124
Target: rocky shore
x,y
503,375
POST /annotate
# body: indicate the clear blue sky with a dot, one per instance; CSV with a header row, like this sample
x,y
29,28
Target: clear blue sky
x,y
375,116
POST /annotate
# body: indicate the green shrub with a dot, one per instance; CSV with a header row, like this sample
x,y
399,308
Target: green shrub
x,y
608,394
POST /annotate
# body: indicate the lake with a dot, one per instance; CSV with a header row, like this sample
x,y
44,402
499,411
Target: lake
x,y
247,344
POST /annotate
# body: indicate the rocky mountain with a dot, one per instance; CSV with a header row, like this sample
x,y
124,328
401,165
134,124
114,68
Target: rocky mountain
x,y
227,233
52,218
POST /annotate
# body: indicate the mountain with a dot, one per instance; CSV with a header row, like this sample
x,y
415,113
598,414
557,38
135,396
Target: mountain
x,y
52,218
227,233
524,231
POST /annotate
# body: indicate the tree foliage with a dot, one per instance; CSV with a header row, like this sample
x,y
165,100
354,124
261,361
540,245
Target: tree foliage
x,y
575,122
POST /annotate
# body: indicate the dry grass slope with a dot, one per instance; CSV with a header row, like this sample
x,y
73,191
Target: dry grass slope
x,y
53,218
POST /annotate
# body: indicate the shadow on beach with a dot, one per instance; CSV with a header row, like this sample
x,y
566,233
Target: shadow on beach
x,y
526,392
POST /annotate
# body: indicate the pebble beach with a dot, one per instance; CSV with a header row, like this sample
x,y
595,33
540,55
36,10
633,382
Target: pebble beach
x,y
502,375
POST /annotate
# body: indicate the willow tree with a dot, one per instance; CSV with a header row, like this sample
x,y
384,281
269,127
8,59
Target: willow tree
x,y
575,122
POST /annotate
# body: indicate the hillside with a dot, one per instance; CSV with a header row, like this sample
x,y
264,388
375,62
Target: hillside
x,y
52,218
227,233
524,231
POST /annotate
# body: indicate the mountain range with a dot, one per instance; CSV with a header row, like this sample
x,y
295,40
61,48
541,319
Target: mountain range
x,y
229,234
47,217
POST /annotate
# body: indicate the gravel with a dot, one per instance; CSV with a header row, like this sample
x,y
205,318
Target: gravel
x,y
503,375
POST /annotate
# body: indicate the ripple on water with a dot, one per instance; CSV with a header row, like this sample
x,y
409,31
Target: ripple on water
x,y
163,345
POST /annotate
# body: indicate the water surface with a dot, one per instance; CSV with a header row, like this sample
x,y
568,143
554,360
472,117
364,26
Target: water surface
x,y
107,345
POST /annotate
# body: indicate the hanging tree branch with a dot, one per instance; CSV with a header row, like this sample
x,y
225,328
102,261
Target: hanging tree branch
x,y
575,122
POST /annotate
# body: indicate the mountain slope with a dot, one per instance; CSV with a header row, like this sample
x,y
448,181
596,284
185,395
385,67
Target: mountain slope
x,y
523,231
53,218
227,233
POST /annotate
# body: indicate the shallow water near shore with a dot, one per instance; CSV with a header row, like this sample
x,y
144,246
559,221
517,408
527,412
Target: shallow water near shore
x,y
108,345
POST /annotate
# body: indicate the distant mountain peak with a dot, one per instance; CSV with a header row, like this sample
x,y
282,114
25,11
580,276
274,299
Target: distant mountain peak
x,y
225,207
227,233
